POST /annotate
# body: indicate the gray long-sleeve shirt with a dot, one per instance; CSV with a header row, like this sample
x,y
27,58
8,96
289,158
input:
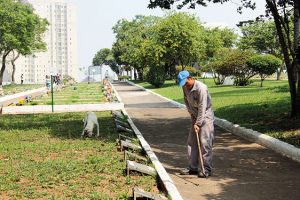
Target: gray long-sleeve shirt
x,y
198,103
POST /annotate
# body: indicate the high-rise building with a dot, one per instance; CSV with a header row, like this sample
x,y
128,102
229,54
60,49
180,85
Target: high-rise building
x,y
61,40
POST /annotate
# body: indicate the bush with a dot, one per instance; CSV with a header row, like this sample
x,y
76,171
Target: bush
x,y
237,61
156,76
231,62
68,80
123,77
264,65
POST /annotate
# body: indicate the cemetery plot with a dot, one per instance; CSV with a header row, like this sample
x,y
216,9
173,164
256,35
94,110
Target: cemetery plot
x,y
81,93
16,88
43,157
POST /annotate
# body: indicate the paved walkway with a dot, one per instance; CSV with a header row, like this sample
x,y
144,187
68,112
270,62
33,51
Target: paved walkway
x,y
242,170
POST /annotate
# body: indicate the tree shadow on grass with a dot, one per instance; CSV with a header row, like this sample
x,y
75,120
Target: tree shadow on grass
x,y
268,118
62,125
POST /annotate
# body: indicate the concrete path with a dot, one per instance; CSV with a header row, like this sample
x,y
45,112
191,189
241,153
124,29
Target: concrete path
x,y
242,170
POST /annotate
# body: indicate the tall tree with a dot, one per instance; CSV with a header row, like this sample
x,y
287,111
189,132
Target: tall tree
x,y
129,38
283,12
261,36
182,35
100,57
218,38
105,56
20,29
15,56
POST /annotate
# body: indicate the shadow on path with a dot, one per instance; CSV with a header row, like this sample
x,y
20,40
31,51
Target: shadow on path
x,y
242,170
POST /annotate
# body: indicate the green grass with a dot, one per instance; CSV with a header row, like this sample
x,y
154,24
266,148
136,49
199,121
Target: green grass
x,y
84,94
265,109
43,157
15,88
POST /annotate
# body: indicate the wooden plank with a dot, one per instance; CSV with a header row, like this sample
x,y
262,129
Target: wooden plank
x,y
128,155
121,128
125,137
138,192
129,145
122,123
134,166
118,114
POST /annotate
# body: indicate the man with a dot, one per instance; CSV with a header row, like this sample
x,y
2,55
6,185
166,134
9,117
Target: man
x,y
22,80
198,104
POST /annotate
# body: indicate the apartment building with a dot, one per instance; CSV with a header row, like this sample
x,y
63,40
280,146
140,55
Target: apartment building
x,y
61,40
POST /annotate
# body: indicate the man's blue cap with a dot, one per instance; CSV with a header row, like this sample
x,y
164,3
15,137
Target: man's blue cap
x,y
182,76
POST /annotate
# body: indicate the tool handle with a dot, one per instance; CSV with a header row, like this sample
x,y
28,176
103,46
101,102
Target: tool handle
x,y
200,153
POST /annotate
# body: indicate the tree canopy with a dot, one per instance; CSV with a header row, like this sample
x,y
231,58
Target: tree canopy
x,y
20,30
283,13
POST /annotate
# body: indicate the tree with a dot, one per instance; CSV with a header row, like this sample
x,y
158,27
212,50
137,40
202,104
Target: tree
x,y
20,30
182,35
231,62
218,38
129,39
261,36
15,56
101,57
218,67
264,65
105,56
283,12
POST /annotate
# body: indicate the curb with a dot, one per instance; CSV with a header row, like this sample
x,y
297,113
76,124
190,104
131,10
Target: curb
x,y
62,108
162,173
276,145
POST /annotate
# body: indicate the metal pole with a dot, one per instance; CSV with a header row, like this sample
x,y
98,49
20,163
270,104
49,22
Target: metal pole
x,y
52,96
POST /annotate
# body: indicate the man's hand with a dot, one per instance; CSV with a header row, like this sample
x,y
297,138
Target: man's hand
x,y
196,128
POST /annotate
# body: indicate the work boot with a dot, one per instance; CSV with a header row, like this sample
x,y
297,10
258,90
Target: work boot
x,y
203,175
188,171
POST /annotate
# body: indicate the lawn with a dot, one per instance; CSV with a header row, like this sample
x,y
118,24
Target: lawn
x,y
264,109
43,157
81,93
15,88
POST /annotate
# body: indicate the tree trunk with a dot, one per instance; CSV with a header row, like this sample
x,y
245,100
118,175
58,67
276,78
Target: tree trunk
x,y
3,66
296,46
279,71
284,47
14,66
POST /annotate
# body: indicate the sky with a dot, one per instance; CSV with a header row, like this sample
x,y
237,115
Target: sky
x,y
95,19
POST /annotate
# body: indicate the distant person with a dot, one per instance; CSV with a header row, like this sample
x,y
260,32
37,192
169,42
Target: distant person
x,y
58,79
199,105
48,82
22,80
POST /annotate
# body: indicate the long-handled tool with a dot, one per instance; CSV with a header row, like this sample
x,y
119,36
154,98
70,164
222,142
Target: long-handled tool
x,y
200,154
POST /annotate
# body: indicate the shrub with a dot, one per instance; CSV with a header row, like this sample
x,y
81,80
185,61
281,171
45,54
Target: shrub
x,y
156,76
68,80
124,77
264,65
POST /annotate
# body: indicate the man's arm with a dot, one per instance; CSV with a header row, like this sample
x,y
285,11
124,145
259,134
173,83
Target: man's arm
x,y
193,118
202,105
